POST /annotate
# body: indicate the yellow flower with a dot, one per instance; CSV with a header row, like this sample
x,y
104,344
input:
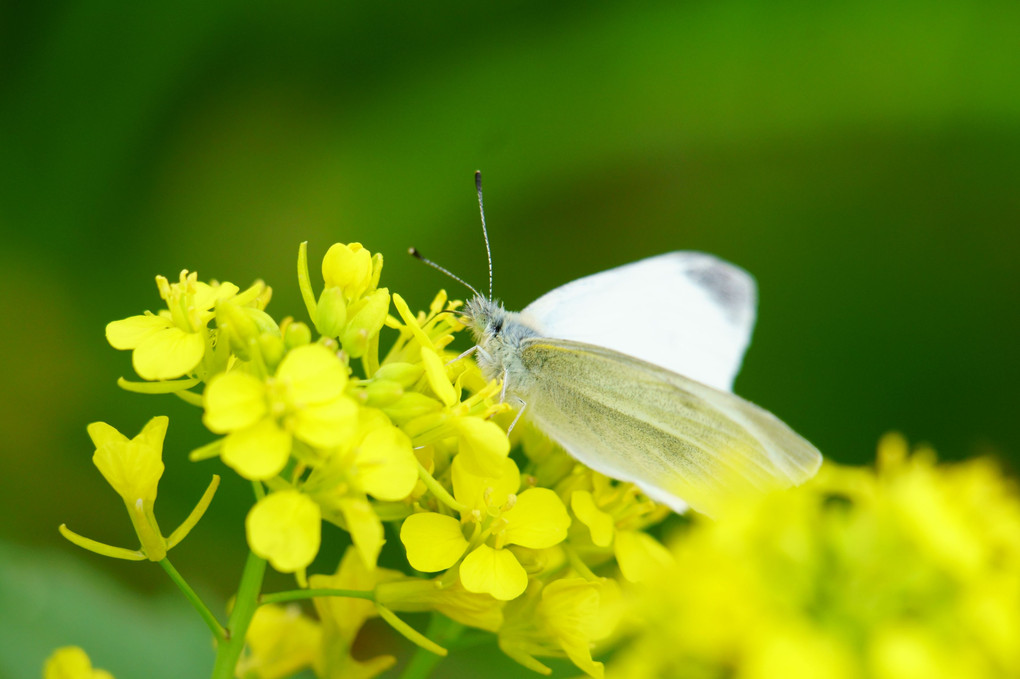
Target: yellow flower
x,y
343,617
280,642
562,619
285,528
615,515
71,662
377,461
305,400
172,343
499,517
133,468
912,570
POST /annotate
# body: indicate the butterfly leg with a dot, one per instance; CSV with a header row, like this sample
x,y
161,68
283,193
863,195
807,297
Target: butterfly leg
x,y
467,353
519,413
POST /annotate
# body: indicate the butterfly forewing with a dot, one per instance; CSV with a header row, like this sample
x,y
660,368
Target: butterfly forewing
x,y
689,312
681,441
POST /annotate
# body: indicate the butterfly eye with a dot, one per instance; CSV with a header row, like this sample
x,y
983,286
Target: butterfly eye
x,y
497,326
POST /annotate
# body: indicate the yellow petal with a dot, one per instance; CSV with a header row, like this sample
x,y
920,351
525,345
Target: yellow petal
x,y
326,424
258,452
280,642
205,296
599,522
493,571
365,528
639,555
348,267
103,434
435,371
387,468
484,443
234,400
312,374
480,492
433,541
130,332
571,609
538,520
285,528
168,354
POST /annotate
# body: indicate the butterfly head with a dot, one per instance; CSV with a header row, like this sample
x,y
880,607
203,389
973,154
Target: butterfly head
x,y
498,334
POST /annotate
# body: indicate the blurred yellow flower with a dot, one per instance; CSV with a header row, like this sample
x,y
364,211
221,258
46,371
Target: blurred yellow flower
x,y
71,662
912,570
564,618
281,641
343,617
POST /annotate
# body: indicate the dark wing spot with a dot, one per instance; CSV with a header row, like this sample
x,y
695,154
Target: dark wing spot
x,y
727,286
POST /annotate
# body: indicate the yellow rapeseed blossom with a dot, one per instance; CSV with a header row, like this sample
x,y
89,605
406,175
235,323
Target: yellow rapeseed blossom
x,y
281,641
342,619
615,515
909,571
71,662
368,420
497,516
564,618
172,343
133,468
306,400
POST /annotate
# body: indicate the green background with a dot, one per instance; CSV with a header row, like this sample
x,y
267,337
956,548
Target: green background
x,y
860,159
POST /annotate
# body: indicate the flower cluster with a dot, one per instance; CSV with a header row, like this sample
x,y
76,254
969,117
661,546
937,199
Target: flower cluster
x,y
365,418
329,426
912,570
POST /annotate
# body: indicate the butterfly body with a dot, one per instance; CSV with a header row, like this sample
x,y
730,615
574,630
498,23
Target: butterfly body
x,y
630,369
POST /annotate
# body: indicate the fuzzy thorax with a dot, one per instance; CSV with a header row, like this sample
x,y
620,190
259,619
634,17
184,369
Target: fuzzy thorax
x,y
499,334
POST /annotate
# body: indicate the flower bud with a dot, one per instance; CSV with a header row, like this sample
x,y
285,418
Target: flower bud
x,y
273,349
331,313
239,329
405,374
297,335
382,393
348,267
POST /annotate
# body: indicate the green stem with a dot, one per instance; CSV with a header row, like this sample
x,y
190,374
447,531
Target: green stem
x,y
245,603
298,594
437,489
217,629
442,630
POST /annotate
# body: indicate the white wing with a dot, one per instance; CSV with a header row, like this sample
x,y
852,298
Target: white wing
x,y
689,312
682,442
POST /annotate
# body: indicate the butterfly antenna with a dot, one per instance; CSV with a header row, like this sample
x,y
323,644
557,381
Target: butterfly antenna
x,y
417,255
485,233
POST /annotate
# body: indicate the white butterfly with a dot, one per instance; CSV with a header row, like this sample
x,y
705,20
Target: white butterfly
x,y
630,370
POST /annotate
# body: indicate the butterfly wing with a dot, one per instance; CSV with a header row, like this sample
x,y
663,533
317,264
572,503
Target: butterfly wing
x,y
682,442
686,311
